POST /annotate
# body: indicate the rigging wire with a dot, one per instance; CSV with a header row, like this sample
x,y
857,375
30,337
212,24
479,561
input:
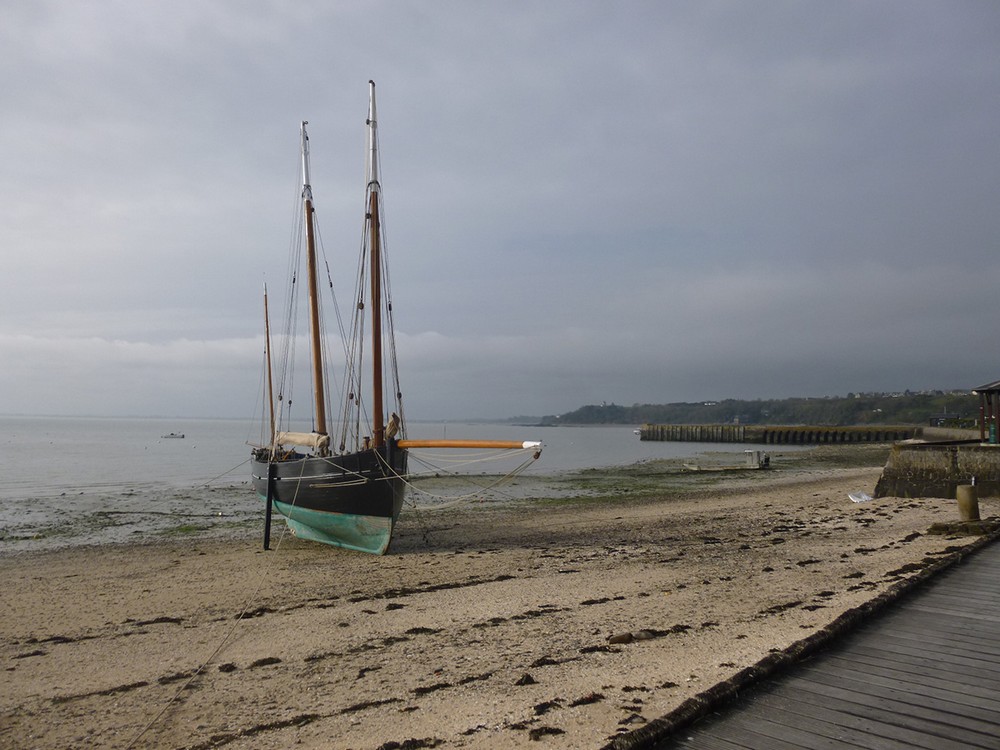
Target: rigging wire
x,y
323,344
388,305
270,560
289,329
261,401
459,499
265,570
353,403
288,338
342,382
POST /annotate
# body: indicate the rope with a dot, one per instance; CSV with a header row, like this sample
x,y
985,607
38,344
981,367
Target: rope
x,y
476,458
265,569
204,664
461,499
417,510
220,476
269,561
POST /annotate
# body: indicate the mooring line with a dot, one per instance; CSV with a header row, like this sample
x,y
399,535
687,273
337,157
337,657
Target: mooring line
x,y
230,471
246,608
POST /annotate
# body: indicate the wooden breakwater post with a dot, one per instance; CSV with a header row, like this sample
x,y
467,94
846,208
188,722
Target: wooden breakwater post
x,y
968,502
774,434
693,433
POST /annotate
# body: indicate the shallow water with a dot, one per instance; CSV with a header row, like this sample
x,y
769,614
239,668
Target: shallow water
x,y
75,481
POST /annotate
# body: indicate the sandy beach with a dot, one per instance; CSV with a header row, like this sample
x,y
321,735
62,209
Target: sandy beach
x,y
564,623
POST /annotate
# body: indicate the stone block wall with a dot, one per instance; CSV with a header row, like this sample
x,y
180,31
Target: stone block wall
x,y
936,469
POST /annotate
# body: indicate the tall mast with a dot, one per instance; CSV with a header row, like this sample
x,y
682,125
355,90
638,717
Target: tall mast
x,y
319,392
374,227
270,375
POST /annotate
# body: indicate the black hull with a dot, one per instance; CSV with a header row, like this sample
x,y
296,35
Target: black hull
x,y
348,501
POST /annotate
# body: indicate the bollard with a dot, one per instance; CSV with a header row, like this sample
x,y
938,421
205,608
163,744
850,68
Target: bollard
x,y
968,502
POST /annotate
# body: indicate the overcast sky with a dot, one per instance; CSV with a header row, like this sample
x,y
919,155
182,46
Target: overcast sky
x,y
631,202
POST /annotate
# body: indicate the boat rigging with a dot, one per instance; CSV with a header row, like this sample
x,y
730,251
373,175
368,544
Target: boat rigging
x,y
348,494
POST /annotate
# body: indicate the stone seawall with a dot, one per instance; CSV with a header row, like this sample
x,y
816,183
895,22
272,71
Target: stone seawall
x,y
937,469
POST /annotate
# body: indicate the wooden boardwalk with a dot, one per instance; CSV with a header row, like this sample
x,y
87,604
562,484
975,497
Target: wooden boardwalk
x,y
923,673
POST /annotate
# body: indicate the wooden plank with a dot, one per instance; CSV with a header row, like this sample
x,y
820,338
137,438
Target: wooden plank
x,y
707,741
968,606
945,692
954,643
698,737
924,663
948,633
888,712
855,719
951,693
822,693
958,610
945,646
772,726
955,588
963,608
924,673
891,711
944,664
955,640
755,730
971,603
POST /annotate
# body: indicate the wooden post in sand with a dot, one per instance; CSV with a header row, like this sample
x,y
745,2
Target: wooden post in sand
x,y
270,501
968,502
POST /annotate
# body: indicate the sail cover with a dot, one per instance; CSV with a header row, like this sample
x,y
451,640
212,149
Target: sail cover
x,y
307,439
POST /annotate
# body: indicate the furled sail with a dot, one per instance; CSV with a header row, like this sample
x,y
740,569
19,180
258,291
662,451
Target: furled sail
x,y
304,439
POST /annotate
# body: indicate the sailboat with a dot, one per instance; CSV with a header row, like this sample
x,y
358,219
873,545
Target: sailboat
x,y
346,489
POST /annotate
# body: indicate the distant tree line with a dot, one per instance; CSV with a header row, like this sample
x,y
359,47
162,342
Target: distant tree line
x,y
954,409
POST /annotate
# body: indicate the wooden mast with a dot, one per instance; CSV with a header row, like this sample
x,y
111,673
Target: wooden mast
x,y
270,374
375,249
319,391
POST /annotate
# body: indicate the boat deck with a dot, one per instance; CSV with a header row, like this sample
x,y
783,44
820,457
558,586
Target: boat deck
x,y
922,673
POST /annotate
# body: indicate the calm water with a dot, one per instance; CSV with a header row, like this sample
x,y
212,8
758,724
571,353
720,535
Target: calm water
x,y
69,481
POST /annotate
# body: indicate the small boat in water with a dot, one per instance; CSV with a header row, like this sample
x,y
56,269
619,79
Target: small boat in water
x,y
753,460
344,489
173,435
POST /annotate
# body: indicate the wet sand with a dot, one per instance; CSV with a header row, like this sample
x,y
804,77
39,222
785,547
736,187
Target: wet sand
x,y
488,626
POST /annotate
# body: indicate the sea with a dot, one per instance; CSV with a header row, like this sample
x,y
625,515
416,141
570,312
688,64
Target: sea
x,y
69,481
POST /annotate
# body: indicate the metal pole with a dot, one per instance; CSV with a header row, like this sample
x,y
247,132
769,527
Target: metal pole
x,y
982,418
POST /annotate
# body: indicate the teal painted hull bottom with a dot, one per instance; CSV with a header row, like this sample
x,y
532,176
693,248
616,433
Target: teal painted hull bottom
x,y
370,534
350,501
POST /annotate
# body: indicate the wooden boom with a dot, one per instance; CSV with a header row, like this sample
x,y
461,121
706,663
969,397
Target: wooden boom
x,y
492,444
